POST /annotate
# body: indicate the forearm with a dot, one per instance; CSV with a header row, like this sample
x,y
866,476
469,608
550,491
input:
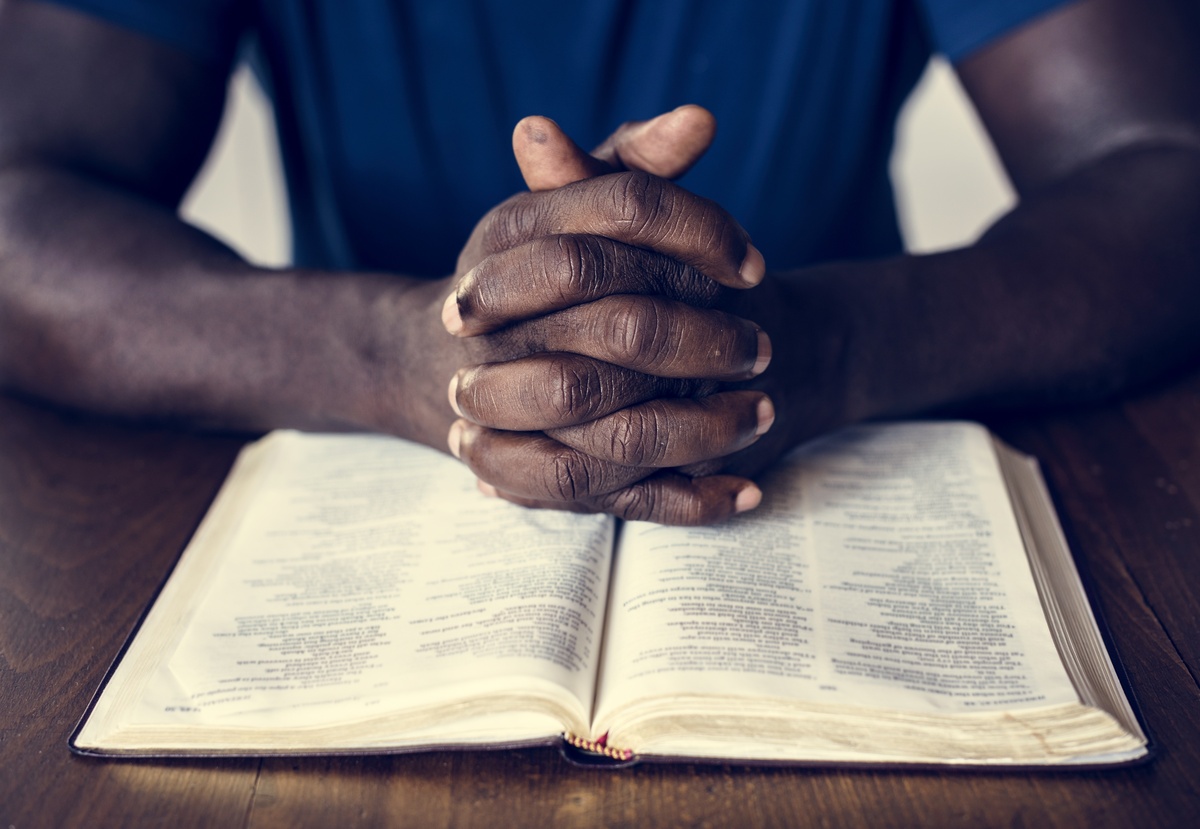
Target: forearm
x,y
1087,288
111,304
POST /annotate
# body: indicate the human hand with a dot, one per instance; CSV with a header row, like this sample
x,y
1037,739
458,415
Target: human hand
x,y
628,379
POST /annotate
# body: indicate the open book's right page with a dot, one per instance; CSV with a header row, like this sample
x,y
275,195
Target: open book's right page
x,y
883,582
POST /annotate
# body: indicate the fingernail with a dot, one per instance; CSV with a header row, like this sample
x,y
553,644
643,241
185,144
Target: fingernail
x,y
454,439
487,489
766,416
453,394
451,319
764,354
754,267
748,498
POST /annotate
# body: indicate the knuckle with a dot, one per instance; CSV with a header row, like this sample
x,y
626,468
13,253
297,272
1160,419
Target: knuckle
x,y
510,223
572,266
641,203
651,210
572,392
665,500
634,503
657,500
568,477
637,333
638,437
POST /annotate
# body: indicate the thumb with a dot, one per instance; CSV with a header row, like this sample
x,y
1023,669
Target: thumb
x,y
667,146
548,158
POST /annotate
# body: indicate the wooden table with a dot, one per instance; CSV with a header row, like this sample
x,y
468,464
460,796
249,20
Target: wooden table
x,y
93,513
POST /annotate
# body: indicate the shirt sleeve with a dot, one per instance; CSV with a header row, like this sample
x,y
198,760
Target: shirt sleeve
x,y
208,30
959,27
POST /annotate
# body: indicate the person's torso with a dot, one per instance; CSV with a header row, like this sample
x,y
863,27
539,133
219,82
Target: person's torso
x,y
396,117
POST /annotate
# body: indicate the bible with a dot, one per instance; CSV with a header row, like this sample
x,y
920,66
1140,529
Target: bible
x,y
903,595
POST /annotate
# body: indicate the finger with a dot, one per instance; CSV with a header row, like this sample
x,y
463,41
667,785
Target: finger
x,y
546,391
662,433
666,146
636,208
664,498
548,158
642,333
657,336
531,465
556,272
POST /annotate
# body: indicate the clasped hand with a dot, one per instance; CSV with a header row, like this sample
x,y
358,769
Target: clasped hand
x,y
607,377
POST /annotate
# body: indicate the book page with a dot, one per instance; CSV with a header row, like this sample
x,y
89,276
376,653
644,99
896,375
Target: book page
x,y
884,568
366,573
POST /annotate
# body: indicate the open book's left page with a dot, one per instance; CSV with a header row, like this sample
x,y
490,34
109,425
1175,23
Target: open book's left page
x,y
356,592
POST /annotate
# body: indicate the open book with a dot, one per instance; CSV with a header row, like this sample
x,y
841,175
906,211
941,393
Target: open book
x,y
903,595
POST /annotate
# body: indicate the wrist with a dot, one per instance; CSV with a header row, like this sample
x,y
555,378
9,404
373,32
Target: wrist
x,y
407,358
319,350
847,346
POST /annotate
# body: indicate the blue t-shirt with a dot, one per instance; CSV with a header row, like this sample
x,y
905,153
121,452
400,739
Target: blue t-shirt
x,y
395,116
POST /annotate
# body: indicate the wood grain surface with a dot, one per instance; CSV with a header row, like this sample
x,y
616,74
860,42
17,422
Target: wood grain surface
x,y
93,514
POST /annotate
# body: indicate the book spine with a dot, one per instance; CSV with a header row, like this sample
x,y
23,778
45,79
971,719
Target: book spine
x,y
598,747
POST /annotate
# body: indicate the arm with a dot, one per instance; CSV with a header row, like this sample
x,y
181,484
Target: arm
x,y
109,303
1089,287
1092,284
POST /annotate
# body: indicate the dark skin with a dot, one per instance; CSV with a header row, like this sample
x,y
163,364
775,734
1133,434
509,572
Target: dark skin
x,y
611,359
